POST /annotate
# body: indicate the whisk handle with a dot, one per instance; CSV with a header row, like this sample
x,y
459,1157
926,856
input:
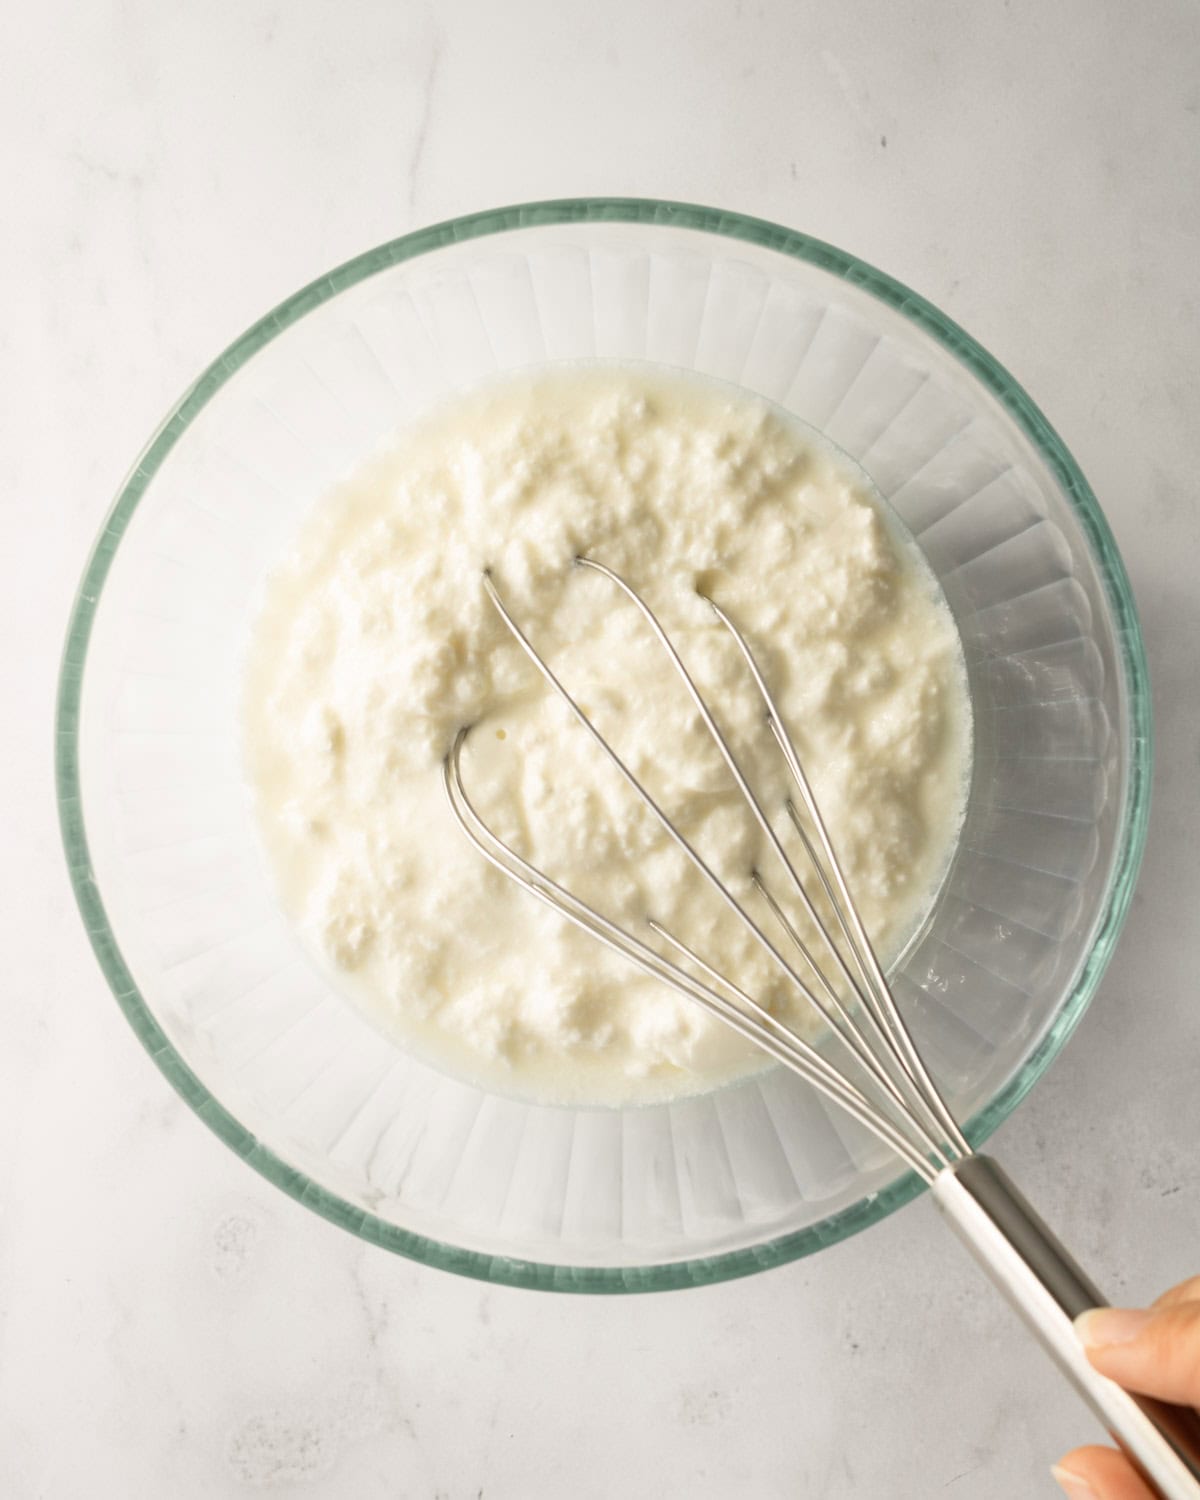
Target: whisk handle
x,y
1049,1291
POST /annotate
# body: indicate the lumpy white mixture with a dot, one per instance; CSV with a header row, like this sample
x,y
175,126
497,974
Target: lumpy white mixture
x,y
376,642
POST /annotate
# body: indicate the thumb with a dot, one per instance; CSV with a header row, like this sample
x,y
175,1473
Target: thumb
x,y
1156,1352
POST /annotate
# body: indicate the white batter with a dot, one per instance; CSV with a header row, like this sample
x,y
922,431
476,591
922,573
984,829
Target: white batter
x,y
376,642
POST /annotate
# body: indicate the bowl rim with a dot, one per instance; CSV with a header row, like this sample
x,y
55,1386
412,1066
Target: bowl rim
x,y
960,345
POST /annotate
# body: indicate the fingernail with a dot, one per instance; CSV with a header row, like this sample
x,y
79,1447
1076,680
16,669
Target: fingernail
x,y
1072,1485
1110,1325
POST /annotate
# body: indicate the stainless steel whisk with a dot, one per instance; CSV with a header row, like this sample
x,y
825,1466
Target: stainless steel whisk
x,y
881,1079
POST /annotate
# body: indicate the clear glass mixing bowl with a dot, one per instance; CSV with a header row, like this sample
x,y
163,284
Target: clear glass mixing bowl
x,y
178,903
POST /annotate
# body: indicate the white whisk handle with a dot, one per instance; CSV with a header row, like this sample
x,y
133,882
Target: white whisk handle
x,y
1049,1290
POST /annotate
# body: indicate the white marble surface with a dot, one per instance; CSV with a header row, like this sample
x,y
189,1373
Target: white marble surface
x,y
169,1324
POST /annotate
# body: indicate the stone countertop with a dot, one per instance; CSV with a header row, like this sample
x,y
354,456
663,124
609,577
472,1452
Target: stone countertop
x,y
170,1324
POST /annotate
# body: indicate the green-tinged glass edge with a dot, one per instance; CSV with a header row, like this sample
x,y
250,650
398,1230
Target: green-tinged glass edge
x,y
536,1274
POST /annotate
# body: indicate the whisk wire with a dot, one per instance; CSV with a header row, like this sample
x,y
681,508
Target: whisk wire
x,y
833,1011
910,1115
735,770
893,1028
840,1017
778,1041
906,1085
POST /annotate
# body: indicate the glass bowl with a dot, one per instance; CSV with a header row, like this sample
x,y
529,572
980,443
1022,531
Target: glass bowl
x,y
179,905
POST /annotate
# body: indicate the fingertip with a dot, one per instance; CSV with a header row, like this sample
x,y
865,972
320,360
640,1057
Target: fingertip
x,y
1101,1326
1155,1352
1096,1473
1074,1485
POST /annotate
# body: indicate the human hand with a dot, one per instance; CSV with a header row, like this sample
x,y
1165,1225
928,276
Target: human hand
x,y
1155,1352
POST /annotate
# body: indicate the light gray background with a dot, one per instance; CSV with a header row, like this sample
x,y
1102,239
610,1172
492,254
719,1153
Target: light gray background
x,y
169,1324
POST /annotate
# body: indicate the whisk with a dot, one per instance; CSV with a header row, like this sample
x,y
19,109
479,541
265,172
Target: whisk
x,y
878,1077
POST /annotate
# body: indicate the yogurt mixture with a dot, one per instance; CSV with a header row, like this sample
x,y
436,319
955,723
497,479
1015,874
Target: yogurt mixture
x,y
376,643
